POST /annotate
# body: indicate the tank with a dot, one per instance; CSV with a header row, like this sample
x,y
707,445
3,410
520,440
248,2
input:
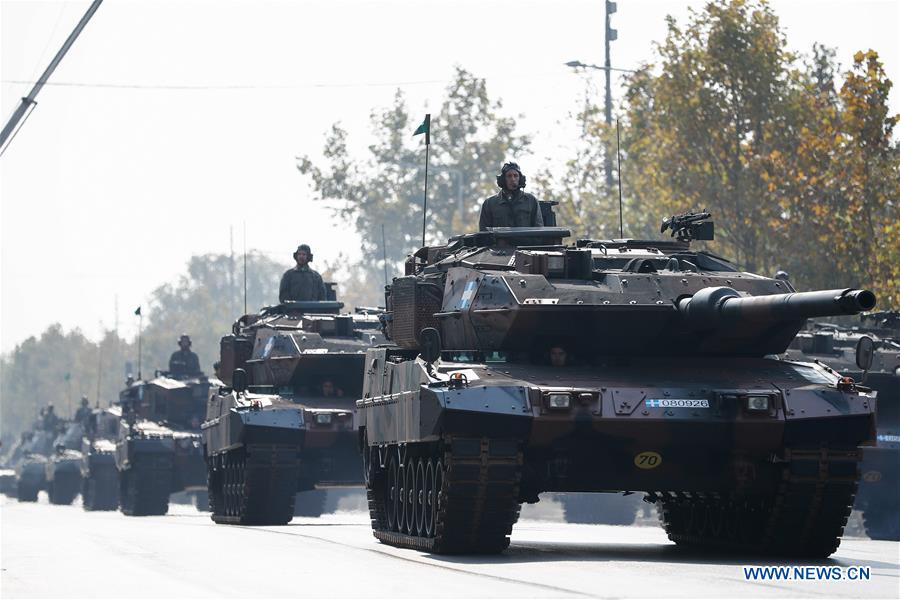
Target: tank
x,y
63,467
158,450
30,463
835,346
522,365
99,475
283,428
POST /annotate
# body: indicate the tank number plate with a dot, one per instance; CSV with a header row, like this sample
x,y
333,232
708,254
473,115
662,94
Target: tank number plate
x,y
676,403
647,460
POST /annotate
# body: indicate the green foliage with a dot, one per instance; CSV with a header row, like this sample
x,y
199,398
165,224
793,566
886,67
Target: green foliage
x,y
470,141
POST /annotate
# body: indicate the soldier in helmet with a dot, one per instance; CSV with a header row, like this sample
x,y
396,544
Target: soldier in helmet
x,y
183,362
511,207
49,420
84,411
301,283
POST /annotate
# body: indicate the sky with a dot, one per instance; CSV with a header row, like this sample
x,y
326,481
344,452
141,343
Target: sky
x,y
172,125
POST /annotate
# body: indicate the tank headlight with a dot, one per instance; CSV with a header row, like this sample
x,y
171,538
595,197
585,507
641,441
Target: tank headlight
x,y
758,403
558,400
323,418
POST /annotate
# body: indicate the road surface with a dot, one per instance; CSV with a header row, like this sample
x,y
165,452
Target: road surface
x,y
65,552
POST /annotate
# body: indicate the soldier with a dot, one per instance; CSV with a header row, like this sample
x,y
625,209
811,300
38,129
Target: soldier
x,y
49,420
301,283
511,207
184,362
84,411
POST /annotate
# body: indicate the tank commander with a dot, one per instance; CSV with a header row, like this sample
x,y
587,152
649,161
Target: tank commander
x,y
84,411
49,420
511,207
183,362
301,283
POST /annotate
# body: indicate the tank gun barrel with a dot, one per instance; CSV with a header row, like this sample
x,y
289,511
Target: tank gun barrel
x,y
715,304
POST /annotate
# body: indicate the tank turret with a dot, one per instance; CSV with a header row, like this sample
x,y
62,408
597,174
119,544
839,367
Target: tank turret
x,y
487,291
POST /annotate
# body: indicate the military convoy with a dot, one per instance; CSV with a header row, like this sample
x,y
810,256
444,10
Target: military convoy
x,y
158,448
522,365
835,346
284,422
517,365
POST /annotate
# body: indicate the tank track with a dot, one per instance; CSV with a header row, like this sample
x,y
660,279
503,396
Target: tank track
x,y
99,491
64,488
144,488
457,496
804,517
253,485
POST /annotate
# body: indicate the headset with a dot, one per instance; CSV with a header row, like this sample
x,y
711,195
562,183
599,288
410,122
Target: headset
x,y
501,178
303,247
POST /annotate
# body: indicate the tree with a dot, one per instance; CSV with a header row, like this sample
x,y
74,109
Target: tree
x,y
470,140
839,187
701,129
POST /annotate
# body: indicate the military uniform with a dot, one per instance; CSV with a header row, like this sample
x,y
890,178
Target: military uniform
x,y
184,362
510,209
301,284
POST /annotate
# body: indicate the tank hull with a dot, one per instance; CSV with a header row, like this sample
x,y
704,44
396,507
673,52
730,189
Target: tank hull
x,y
679,432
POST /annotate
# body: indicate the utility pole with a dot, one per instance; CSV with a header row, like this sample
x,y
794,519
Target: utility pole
x,y
27,104
611,36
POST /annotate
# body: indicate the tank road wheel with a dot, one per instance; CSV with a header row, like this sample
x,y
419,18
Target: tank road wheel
x,y
805,517
410,496
428,504
401,497
455,496
420,497
392,493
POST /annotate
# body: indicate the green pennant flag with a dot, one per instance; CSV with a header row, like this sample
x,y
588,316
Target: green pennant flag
x,y
137,312
425,128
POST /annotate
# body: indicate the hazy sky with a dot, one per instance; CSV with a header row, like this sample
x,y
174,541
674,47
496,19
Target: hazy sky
x,y
194,112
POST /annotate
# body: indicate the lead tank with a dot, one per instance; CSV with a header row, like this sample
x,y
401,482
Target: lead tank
x,y
158,448
284,422
835,345
523,365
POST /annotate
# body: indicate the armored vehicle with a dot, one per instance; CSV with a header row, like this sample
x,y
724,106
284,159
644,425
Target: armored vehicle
x,y
524,365
158,450
284,421
30,463
835,346
99,476
63,467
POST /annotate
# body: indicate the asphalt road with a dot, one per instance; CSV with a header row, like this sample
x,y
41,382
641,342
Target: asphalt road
x,y
62,551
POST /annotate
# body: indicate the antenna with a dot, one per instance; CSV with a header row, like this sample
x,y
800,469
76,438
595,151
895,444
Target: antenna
x,y
384,253
619,173
245,267
99,370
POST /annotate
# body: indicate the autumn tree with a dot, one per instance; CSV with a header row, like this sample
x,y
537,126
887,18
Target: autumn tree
x,y
470,140
839,188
